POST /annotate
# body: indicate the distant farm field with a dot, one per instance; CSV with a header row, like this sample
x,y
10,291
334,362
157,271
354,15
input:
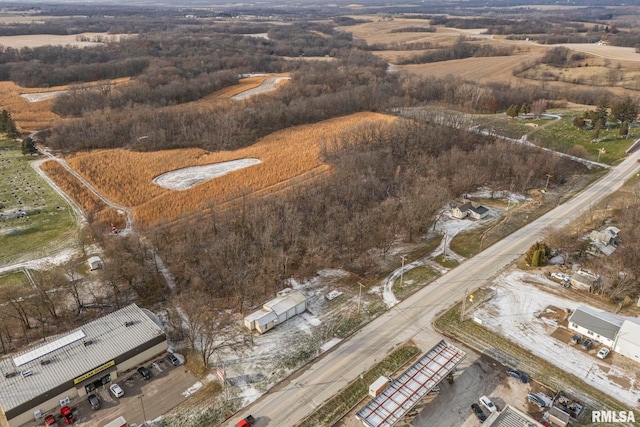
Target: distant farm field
x,y
35,40
287,158
30,108
485,69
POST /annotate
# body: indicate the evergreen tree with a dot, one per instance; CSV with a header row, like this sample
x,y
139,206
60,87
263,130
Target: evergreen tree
x,y
624,129
28,146
512,111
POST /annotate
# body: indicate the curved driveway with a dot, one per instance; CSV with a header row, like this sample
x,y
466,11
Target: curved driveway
x,y
299,395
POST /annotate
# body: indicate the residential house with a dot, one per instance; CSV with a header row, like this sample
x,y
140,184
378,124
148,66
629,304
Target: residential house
x,y
467,209
595,324
584,281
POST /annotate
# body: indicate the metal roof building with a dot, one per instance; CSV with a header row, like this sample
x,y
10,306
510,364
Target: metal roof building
x,y
599,325
287,304
628,339
71,365
510,417
390,406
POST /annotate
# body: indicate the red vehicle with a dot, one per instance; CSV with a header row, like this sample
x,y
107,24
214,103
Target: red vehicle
x,y
50,420
67,415
249,421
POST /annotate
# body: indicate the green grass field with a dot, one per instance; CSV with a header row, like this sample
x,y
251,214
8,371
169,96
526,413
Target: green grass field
x,y
16,279
33,217
563,136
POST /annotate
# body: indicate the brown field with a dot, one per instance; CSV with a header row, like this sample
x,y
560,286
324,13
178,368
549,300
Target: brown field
x,y
33,116
35,40
29,116
379,31
488,69
244,85
88,201
288,157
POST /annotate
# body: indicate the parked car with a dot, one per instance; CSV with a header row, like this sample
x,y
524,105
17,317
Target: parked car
x,y
173,359
604,352
587,344
144,372
576,339
67,415
531,397
478,411
518,375
487,403
116,390
245,422
50,420
94,402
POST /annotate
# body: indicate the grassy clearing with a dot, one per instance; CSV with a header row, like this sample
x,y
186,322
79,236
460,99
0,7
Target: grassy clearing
x,y
413,280
563,136
500,124
16,279
32,215
505,351
446,262
334,409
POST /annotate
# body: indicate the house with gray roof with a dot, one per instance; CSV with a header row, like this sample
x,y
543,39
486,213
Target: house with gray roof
x,y
596,325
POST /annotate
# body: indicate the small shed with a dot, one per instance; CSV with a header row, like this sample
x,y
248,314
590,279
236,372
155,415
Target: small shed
x,y
478,212
288,305
583,280
95,263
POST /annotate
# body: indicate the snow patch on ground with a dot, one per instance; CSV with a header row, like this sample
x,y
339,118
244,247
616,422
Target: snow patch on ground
x,y
183,179
188,392
42,96
330,344
43,263
513,313
268,85
311,319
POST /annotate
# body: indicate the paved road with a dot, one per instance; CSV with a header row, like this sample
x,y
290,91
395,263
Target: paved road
x,y
412,318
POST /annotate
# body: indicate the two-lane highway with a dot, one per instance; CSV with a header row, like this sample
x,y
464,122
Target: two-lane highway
x,y
413,317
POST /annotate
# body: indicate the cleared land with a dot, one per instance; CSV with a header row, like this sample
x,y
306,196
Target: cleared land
x,y
489,69
288,157
35,40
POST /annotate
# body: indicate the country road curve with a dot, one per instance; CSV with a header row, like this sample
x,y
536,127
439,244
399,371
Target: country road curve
x,y
298,395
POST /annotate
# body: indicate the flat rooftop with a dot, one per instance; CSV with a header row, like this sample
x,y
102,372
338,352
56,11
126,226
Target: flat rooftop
x,y
63,358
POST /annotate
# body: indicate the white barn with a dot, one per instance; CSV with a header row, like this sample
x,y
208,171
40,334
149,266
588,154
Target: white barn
x,y
287,304
628,339
596,325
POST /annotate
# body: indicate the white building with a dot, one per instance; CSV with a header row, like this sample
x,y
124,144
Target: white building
x,y
287,304
628,339
95,263
35,381
596,325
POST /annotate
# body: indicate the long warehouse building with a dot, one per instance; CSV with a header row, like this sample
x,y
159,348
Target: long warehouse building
x,y
37,381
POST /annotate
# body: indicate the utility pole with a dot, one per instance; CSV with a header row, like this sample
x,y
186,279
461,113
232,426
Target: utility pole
x,y
404,258
464,302
444,246
359,296
547,184
144,415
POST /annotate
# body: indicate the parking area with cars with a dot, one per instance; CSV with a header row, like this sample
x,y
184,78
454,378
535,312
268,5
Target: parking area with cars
x,y
142,394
